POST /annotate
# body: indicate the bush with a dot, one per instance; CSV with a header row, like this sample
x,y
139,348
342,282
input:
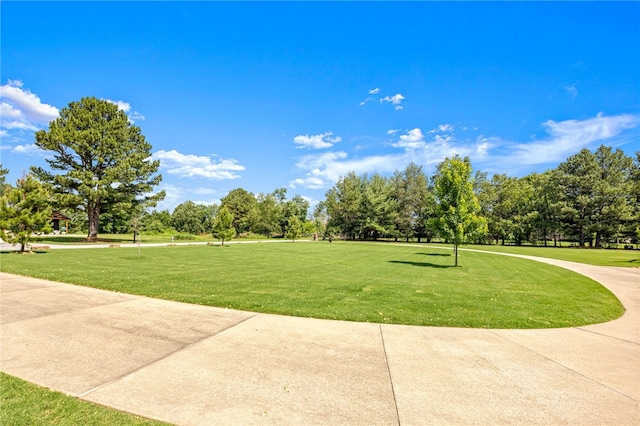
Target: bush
x,y
183,236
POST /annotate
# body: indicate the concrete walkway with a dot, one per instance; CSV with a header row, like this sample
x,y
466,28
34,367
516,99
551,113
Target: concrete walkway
x,y
195,365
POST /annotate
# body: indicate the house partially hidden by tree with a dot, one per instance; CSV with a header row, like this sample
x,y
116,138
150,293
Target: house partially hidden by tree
x,y
56,219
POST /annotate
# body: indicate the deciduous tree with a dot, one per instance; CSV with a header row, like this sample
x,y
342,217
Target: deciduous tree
x,y
242,206
191,218
458,209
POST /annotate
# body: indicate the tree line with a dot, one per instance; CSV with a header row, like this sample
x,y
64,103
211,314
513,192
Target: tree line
x,y
102,176
592,198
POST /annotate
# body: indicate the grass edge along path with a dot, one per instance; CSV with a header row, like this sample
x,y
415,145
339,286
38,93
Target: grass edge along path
x,y
589,256
381,283
24,403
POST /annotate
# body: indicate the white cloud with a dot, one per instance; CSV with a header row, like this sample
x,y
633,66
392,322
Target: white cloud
x,y
122,105
311,182
135,115
396,100
29,149
572,90
194,166
323,170
392,131
565,138
21,109
443,128
569,136
204,191
413,139
321,141
126,108
174,195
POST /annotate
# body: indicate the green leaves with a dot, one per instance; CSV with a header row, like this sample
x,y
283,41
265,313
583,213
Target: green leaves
x,y
104,160
458,219
24,210
222,225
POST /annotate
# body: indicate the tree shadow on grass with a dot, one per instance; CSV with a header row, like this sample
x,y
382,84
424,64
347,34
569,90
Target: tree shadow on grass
x,y
423,264
436,254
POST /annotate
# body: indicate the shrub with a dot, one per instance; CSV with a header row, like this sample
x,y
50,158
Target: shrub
x,y
183,236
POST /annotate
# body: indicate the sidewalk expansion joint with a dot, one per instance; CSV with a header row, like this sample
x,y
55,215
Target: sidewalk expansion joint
x,y
163,357
608,335
386,361
591,379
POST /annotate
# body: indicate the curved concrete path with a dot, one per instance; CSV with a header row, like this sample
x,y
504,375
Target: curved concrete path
x,y
195,365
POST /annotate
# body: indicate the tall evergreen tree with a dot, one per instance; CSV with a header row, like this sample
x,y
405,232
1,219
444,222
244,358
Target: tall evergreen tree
x,y
344,203
414,204
595,192
103,158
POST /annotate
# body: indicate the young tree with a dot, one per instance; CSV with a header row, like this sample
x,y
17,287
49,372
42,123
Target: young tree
x,y
222,225
24,210
458,209
294,228
104,158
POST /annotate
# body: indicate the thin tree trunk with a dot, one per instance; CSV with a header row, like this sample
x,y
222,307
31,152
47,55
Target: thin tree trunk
x,y
455,251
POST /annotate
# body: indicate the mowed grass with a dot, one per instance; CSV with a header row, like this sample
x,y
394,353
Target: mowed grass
x,y
382,283
23,403
591,256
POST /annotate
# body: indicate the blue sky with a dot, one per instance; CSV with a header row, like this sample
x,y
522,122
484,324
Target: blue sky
x,y
268,95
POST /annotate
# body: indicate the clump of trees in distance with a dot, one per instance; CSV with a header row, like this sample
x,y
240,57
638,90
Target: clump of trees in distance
x,y
592,198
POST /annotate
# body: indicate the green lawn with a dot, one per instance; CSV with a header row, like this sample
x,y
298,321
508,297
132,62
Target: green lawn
x,y
23,403
111,239
383,283
598,257
128,238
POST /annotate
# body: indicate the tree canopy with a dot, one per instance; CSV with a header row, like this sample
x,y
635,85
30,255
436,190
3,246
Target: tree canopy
x,y
222,225
24,211
100,161
457,217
